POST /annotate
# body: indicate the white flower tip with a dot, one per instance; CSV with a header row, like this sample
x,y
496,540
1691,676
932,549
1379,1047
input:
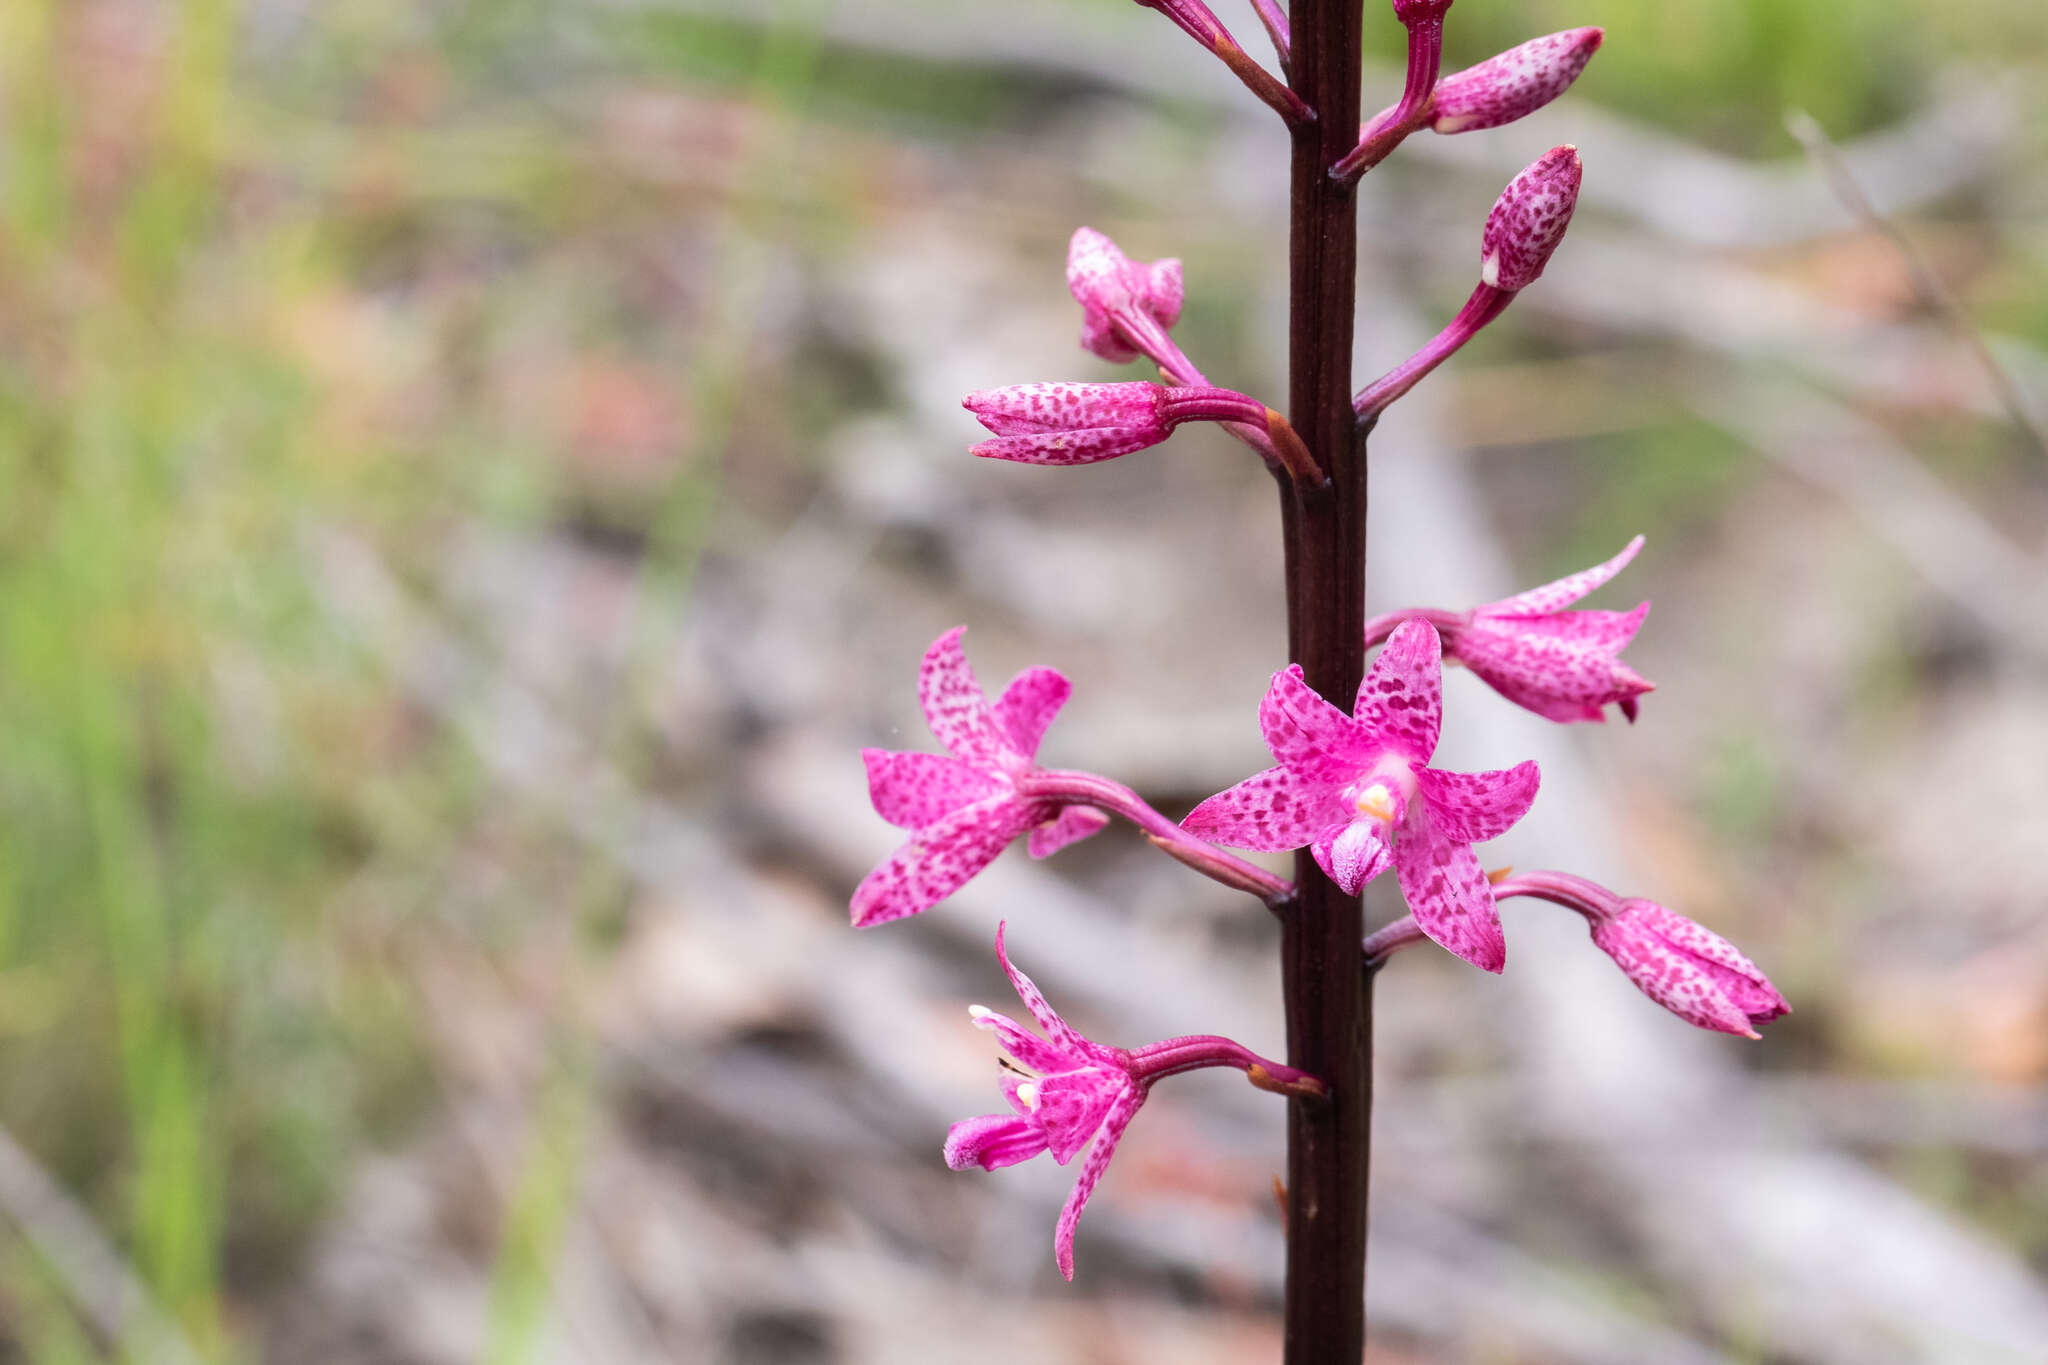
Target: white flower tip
x,y
1489,270
979,1012
1027,1095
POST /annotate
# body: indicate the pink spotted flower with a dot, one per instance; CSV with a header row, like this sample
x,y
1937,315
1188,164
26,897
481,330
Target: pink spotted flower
x,y
1682,965
1563,665
1069,424
1065,1090
964,807
1358,792
1126,307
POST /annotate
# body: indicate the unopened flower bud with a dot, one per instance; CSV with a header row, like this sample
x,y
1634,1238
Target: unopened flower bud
x,y
1688,968
1529,219
1065,424
1683,966
1126,307
1514,84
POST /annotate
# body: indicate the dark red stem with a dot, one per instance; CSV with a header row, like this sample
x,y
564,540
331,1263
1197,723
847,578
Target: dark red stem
x,y
1329,1029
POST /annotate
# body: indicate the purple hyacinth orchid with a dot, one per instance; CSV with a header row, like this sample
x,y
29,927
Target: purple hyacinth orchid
x,y
965,809
1065,1090
1068,424
1563,665
1358,791
1682,965
1528,221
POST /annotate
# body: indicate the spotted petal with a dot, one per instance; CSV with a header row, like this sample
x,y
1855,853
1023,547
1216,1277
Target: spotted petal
x,y
955,707
1063,1037
1352,854
1028,705
1073,824
1085,445
1448,892
1741,979
1269,811
939,859
1309,735
992,1141
911,790
1071,1106
1021,1043
1471,808
1400,701
1113,1125
1685,987
1561,593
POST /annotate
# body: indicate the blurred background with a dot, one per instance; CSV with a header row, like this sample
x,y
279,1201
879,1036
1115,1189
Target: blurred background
x,y
476,473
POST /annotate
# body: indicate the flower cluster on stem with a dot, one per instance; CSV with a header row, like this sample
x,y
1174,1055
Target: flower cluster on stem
x,y
1355,788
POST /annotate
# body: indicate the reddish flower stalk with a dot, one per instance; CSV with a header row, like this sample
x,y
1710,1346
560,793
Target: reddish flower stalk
x,y
1196,20
1276,28
1327,998
1060,786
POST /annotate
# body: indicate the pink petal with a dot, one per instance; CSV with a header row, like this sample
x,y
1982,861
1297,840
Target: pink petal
x,y
1022,409
1309,735
1028,705
911,790
1269,811
1027,1047
1118,1119
1353,855
1089,445
1055,1027
1071,1106
956,709
1670,978
1546,671
1564,591
1073,824
1400,702
992,1141
1471,808
939,859
1444,886
1164,289
1099,336
1742,980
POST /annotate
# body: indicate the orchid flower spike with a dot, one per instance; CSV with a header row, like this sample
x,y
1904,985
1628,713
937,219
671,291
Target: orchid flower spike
x,y
1512,84
1065,424
1126,308
964,809
1683,966
1563,665
1065,1090
1357,790
1527,223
